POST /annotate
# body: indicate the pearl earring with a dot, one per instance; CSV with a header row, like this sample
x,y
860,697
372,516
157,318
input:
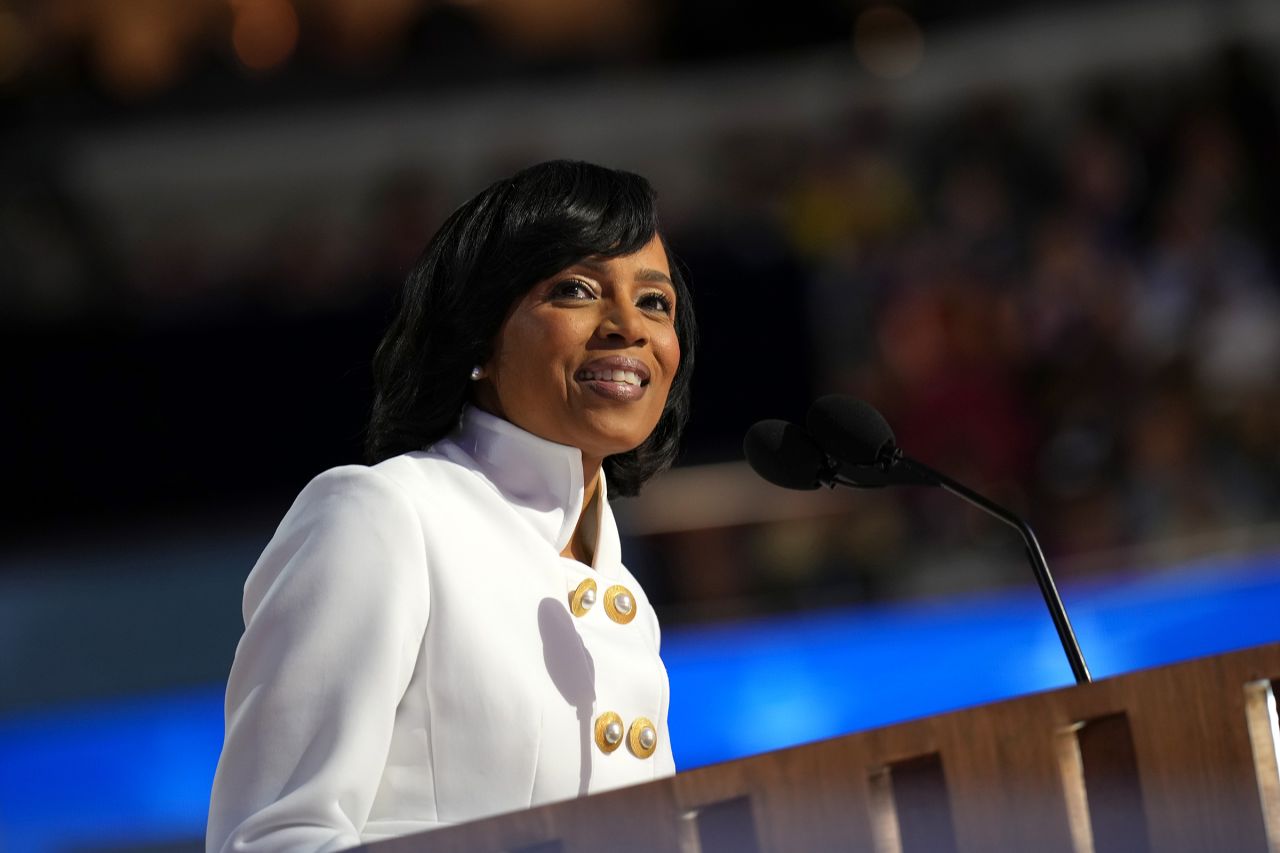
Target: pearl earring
x,y
476,373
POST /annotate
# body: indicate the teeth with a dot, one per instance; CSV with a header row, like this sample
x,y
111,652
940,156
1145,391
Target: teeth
x,y
630,377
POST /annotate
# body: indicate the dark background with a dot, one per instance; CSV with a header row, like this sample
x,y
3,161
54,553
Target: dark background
x,y
1041,237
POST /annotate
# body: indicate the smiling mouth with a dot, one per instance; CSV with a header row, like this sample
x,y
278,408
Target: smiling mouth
x,y
618,379
627,377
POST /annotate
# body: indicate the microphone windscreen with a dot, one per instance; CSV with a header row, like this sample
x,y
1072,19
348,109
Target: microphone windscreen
x,y
783,454
850,430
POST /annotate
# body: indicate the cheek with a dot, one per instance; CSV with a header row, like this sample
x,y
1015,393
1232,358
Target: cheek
x,y
535,352
667,350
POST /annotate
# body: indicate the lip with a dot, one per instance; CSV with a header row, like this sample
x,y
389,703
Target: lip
x,y
617,362
609,389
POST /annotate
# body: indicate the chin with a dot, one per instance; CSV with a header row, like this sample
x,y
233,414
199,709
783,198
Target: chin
x,y
602,446
605,449
609,438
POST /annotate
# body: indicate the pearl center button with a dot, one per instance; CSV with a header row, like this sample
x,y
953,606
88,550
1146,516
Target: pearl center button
x,y
581,599
609,731
620,604
642,739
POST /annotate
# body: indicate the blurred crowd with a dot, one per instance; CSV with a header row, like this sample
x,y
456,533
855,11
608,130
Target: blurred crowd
x,y
1075,311
1074,308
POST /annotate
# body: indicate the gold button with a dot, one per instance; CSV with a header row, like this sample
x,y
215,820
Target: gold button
x,y
643,737
620,604
608,732
582,598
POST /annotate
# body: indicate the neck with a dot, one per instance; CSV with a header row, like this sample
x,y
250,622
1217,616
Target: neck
x,y
590,478
581,545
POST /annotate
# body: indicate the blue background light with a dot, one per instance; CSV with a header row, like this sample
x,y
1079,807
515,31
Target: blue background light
x,y
140,770
773,683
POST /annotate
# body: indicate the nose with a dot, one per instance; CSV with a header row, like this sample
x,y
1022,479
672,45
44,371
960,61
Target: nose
x,y
623,324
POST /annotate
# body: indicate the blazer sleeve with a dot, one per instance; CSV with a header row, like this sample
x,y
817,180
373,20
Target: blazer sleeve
x,y
334,611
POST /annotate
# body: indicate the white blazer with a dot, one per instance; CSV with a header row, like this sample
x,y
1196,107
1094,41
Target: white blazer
x,y
412,657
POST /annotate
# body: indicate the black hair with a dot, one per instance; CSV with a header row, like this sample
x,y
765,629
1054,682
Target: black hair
x,y
486,256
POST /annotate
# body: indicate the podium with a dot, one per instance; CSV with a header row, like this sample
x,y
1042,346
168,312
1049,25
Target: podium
x,y
1176,759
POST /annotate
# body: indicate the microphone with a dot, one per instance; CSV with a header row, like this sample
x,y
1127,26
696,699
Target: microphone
x,y
859,440
850,430
785,455
849,443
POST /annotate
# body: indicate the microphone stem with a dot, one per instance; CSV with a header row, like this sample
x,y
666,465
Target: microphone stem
x,y
1045,580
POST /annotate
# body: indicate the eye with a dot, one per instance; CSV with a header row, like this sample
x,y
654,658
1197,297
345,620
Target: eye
x,y
656,301
572,289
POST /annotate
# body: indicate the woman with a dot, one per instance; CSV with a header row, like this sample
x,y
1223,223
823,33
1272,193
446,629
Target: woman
x,y
450,633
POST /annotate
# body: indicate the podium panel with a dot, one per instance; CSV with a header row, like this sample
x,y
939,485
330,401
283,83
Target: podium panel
x,y
1176,759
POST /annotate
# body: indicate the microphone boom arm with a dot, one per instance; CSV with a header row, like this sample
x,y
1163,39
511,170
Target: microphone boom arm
x,y
923,474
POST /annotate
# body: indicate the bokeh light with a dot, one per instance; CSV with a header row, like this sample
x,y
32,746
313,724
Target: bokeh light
x,y
585,26
888,42
13,46
264,32
140,47
366,29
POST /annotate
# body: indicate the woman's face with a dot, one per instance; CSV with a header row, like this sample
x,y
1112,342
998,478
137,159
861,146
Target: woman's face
x,y
586,358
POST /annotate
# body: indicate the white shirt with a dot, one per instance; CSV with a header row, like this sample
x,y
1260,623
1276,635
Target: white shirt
x,y
410,657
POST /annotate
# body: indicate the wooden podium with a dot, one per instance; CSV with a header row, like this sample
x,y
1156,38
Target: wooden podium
x,y
1178,758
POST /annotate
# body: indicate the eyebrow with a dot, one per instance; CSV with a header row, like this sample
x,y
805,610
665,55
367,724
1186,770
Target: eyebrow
x,y
649,274
642,274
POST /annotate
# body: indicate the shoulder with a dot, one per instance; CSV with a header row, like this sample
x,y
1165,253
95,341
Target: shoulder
x,y
394,502
403,481
352,492
424,475
350,526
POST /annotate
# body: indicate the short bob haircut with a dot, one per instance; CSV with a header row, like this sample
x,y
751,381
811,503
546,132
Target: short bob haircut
x,y
486,256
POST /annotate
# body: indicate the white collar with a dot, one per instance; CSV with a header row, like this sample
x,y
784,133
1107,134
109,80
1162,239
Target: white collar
x,y
540,479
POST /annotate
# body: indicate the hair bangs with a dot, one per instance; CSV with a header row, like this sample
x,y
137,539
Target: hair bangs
x,y
571,212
